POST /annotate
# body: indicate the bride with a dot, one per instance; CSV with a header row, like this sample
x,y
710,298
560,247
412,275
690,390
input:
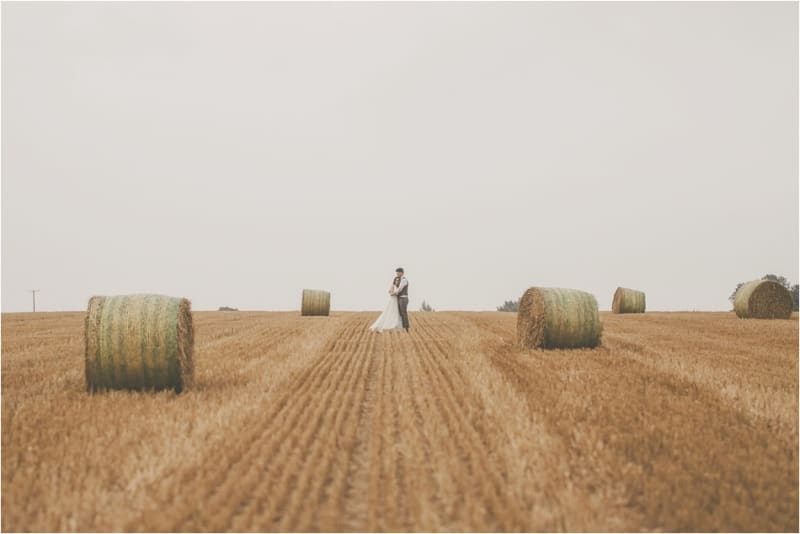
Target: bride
x,y
390,318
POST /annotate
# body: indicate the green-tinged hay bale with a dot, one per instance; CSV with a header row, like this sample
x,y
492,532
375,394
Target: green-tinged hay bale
x,y
139,342
315,302
763,299
558,318
628,301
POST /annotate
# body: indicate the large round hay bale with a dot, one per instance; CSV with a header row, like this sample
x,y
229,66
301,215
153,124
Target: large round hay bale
x,y
763,299
558,318
315,302
139,342
628,301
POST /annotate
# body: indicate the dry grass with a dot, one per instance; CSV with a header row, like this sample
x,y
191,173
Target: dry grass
x,y
678,422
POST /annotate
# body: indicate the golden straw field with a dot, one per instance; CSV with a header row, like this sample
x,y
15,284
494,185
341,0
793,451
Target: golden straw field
x,y
678,421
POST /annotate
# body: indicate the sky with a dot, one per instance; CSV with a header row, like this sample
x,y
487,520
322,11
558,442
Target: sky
x,y
237,153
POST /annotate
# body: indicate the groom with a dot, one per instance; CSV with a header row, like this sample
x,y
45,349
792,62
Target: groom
x,y
402,296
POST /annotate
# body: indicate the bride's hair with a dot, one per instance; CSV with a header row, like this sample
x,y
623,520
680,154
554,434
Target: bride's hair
x,y
396,281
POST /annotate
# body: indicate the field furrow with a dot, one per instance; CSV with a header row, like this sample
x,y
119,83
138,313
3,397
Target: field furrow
x,y
464,415
332,444
355,502
433,505
390,482
266,448
689,458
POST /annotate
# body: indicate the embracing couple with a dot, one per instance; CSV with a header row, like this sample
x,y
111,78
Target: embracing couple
x,y
396,313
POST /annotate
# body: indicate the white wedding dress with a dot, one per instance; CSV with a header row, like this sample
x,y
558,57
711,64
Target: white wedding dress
x,y
389,319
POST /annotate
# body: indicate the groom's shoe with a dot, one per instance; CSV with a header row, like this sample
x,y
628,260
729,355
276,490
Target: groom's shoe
x,y
406,330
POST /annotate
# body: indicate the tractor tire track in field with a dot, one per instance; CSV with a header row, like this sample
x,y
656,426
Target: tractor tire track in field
x,y
256,477
454,395
371,498
324,478
391,457
757,382
379,433
689,461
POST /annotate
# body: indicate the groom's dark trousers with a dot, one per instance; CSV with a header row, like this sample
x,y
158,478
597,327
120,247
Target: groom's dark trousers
x,y
402,305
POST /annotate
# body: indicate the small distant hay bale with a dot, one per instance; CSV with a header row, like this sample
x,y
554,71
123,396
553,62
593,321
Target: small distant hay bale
x,y
628,301
139,342
558,318
315,302
763,299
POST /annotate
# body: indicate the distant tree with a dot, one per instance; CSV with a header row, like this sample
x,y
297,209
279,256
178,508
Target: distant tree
x,y
226,308
733,295
780,279
426,307
793,289
509,306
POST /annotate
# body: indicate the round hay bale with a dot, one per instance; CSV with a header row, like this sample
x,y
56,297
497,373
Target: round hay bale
x,y
139,342
558,318
628,301
763,299
315,302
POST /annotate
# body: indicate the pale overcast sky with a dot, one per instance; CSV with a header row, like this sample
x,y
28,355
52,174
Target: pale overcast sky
x,y
236,153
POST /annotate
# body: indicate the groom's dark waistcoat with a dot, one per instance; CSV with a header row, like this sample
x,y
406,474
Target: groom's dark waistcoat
x,y
403,292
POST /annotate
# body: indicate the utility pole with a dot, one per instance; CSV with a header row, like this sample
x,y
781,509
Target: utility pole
x,y
34,299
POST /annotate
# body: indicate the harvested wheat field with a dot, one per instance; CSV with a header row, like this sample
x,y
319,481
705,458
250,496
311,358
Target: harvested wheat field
x,y
678,421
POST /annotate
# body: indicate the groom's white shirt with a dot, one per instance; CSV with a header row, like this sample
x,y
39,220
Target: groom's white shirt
x,y
403,283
